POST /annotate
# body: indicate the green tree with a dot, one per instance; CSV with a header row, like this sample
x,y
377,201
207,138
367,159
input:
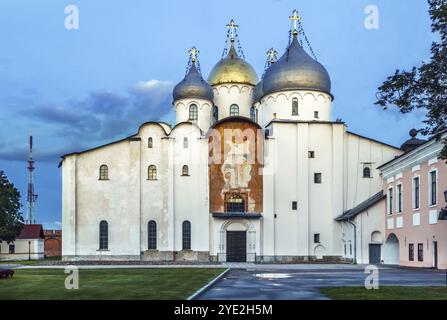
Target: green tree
x,y
10,216
425,86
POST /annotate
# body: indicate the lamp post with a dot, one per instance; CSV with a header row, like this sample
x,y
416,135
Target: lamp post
x,y
443,212
29,250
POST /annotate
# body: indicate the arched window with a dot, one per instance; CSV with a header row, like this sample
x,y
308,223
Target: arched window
x,y
185,170
252,114
234,110
235,203
366,172
186,235
185,142
152,235
215,114
103,172
149,143
152,172
103,235
294,107
193,113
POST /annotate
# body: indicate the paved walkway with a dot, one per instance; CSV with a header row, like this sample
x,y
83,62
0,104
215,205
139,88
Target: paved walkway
x,y
301,282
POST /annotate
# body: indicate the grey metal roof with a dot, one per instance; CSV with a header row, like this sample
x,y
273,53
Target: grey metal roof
x,y
296,70
352,213
193,86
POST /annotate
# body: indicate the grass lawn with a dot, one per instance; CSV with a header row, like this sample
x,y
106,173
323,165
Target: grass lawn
x,y
386,293
29,262
162,283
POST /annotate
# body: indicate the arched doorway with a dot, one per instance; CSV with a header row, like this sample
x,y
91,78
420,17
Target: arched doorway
x,y
375,248
391,250
238,239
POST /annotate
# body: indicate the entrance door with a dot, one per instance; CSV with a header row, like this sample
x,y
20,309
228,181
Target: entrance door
x,y
236,246
374,253
435,254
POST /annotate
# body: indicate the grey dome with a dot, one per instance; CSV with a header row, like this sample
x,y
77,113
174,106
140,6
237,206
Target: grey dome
x,y
193,86
296,70
258,93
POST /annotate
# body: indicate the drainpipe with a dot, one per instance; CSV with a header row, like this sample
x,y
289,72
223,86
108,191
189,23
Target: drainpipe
x,y
355,239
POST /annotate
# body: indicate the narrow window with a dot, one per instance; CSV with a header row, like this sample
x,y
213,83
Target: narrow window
x,y
152,235
103,172
234,110
420,252
185,142
433,188
316,115
103,235
149,142
12,249
252,114
186,235
152,172
317,177
193,112
399,198
416,193
350,249
311,154
411,252
185,170
390,200
215,114
316,238
366,172
294,107
294,205
345,248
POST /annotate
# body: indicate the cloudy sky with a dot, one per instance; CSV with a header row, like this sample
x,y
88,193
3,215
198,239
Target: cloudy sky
x,y
80,88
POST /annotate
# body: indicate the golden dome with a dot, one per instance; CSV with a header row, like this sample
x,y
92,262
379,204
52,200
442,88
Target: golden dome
x,y
233,69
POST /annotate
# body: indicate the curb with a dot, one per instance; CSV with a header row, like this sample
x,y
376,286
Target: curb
x,y
207,286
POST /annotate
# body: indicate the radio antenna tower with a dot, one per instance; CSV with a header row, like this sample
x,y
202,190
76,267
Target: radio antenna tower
x,y
31,196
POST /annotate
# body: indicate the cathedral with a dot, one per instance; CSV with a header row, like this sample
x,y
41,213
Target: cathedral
x,y
253,170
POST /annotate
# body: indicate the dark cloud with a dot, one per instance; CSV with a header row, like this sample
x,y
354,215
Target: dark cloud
x,y
77,124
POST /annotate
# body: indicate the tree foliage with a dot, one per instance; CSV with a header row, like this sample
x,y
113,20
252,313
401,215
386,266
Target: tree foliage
x,y
425,86
10,216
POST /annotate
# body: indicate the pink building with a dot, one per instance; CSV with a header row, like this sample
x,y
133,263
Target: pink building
x,y
414,184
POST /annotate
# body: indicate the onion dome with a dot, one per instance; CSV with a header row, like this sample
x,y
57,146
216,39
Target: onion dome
x,y
296,70
193,85
413,142
258,92
233,69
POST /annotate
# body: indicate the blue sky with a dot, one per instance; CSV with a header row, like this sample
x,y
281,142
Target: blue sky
x,y
80,88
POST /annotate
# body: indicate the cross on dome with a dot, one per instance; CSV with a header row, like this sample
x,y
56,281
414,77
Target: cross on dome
x,y
272,56
193,52
232,26
295,18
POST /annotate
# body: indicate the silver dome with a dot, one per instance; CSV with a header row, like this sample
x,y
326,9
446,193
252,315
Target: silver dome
x,y
296,70
193,86
258,92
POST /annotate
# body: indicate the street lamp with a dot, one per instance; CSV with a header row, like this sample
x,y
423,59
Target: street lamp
x,y
443,212
29,250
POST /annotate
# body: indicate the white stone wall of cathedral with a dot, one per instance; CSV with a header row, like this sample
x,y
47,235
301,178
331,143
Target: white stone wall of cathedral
x,y
204,107
279,105
226,95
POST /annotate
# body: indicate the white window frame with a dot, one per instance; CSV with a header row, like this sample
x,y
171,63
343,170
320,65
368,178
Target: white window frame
x,y
401,208
389,202
413,200
430,205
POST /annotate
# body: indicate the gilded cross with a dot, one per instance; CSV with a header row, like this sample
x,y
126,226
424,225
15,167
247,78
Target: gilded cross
x,y
272,55
295,18
193,52
232,26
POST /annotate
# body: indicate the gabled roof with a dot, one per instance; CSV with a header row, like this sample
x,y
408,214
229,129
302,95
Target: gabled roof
x,y
31,231
352,213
